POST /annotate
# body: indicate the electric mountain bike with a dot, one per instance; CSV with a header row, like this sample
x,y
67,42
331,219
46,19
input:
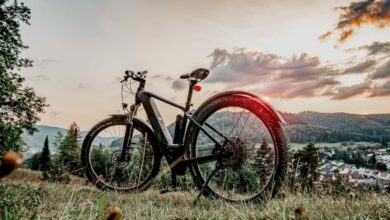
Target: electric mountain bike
x,y
233,144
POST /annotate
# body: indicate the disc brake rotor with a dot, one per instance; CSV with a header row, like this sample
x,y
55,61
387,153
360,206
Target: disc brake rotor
x,y
116,158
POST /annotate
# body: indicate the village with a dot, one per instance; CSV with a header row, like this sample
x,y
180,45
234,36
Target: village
x,y
355,174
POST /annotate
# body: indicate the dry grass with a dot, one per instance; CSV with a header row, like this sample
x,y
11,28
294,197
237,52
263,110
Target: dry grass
x,y
79,201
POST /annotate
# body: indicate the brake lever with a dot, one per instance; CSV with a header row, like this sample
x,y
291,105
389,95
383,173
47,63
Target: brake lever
x,y
125,78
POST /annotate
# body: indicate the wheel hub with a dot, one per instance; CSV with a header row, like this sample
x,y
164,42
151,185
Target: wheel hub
x,y
232,153
118,161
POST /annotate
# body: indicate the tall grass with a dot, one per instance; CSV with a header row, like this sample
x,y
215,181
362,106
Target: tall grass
x,y
23,195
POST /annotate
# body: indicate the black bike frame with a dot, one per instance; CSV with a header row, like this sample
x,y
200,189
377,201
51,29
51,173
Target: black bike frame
x,y
174,152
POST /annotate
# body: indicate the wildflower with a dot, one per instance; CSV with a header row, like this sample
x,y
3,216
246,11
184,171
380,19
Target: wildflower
x,y
114,213
9,163
299,211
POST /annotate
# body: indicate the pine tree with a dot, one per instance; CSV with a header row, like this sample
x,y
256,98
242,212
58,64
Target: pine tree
x,y
58,139
69,149
263,161
45,156
308,170
292,170
33,161
384,143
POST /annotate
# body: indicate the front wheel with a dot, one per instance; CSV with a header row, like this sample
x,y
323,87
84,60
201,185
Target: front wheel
x,y
102,155
252,158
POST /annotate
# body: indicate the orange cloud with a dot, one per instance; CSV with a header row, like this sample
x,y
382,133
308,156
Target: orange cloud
x,y
325,35
359,13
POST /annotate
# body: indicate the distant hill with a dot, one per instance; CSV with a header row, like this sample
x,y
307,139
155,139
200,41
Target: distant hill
x,y
301,127
35,142
335,127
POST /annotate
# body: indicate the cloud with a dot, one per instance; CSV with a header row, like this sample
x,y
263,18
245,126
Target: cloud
x,y
159,76
381,90
290,90
360,67
276,76
81,86
178,85
325,35
301,76
376,12
377,48
351,91
382,71
240,67
54,114
43,62
42,77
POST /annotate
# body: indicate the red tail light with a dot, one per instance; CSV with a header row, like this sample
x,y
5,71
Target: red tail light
x,y
197,88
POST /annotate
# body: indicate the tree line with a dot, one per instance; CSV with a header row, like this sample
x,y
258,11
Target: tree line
x,y
64,162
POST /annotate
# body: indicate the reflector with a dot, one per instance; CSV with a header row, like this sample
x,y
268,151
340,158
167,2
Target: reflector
x,y
197,88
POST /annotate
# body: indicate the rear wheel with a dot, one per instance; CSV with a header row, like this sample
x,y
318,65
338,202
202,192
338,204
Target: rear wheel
x,y
252,158
101,155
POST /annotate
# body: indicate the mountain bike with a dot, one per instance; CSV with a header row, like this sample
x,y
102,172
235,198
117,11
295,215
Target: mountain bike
x,y
233,144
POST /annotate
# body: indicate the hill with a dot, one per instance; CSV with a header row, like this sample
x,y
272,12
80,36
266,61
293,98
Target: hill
x,y
35,141
310,126
301,127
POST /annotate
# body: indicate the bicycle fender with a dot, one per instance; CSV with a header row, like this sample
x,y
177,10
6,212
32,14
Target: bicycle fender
x,y
275,114
139,120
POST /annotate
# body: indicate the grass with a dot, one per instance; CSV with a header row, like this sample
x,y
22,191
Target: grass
x,y
23,195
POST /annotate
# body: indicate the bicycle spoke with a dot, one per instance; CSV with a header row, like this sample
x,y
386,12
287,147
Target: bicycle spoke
x,y
244,182
130,173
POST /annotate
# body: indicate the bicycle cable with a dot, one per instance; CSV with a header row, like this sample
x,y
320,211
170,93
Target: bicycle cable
x,y
126,87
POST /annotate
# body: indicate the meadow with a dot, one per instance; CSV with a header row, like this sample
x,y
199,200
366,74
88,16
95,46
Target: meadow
x,y
24,196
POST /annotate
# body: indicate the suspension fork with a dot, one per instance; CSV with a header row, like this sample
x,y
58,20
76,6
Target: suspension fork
x,y
128,132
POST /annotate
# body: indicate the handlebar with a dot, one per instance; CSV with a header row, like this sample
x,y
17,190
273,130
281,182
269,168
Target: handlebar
x,y
139,76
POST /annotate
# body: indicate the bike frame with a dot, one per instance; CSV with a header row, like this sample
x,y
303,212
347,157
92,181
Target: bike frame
x,y
174,152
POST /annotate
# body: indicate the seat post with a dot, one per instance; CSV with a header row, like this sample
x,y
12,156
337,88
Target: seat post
x,y
189,97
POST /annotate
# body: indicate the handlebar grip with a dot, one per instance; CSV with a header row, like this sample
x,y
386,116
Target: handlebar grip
x,y
129,73
142,72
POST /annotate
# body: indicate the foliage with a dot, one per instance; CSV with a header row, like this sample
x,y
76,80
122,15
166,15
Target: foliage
x,y
45,156
20,105
69,150
33,161
263,161
67,160
384,143
18,198
305,165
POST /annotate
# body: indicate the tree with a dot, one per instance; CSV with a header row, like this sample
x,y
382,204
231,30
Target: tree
x,y
69,149
45,156
358,159
263,161
309,163
33,161
381,166
19,105
384,143
373,161
58,139
67,160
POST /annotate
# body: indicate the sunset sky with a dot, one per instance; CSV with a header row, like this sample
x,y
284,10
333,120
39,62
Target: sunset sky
x,y
271,48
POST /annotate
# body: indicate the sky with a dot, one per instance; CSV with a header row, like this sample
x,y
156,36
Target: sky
x,y
271,48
